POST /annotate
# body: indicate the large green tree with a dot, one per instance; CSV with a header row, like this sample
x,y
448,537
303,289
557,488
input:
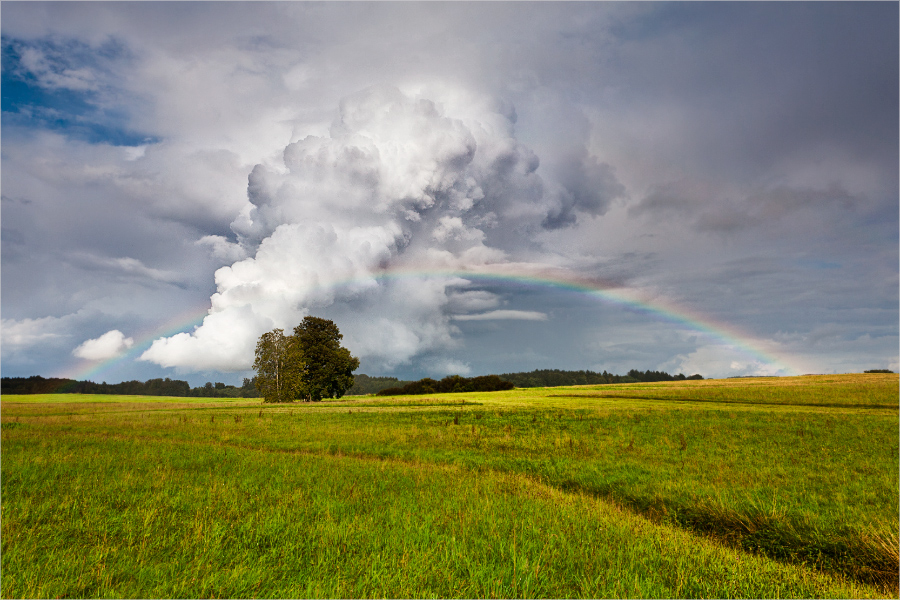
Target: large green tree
x,y
326,366
311,364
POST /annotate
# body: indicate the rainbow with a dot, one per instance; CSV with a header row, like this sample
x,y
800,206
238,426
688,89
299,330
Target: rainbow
x,y
654,306
611,292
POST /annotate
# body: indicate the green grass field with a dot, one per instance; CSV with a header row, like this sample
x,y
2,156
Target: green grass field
x,y
758,487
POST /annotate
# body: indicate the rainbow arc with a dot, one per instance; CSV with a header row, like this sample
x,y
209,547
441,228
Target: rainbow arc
x,y
605,291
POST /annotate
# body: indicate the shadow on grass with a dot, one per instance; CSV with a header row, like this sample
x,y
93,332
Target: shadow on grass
x,y
868,557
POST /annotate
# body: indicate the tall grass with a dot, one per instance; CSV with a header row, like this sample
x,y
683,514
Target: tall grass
x,y
123,518
523,495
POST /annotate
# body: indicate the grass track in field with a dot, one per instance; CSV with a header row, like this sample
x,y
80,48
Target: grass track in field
x,y
174,521
815,484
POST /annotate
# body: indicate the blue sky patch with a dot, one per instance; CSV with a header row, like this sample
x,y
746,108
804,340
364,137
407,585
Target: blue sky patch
x,y
65,89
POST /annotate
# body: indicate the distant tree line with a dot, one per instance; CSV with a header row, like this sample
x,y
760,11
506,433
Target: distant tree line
x,y
557,377
390,386
451,384
363,384
878,371
152,387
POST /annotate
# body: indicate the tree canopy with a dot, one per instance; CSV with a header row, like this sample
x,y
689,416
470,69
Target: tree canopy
x,y
310,364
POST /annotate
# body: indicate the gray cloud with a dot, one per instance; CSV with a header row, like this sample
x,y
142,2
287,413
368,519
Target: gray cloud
x,y
737,159
713,208
504,315
125,267
589,186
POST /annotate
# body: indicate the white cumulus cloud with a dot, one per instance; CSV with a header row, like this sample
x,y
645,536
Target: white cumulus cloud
x,y
109,345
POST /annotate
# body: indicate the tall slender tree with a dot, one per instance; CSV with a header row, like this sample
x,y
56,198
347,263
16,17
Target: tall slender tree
x,y
272,379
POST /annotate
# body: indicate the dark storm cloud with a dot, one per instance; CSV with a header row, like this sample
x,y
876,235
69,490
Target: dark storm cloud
x,y
589,186
712,210
760,82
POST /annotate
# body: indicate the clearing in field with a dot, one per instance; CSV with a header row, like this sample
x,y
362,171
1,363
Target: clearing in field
x,y
739,488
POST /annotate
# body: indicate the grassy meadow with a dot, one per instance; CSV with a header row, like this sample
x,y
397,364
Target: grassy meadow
x,y
757,487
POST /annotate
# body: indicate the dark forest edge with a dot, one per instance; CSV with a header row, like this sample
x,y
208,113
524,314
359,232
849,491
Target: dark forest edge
x,y
152,387
556,377
449,385
363,384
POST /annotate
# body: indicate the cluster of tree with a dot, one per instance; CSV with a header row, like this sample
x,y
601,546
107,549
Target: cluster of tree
x,y
152,387
648,376
363,384
309,365
453,383
878,371
557,377
220,390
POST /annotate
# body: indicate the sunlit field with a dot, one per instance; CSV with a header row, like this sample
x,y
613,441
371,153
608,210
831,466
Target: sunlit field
x,y
757,487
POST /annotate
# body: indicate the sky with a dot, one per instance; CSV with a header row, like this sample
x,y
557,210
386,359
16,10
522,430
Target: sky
x,y
464,188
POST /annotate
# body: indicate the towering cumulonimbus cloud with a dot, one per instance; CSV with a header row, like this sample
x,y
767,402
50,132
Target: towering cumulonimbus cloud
x,y
401,182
